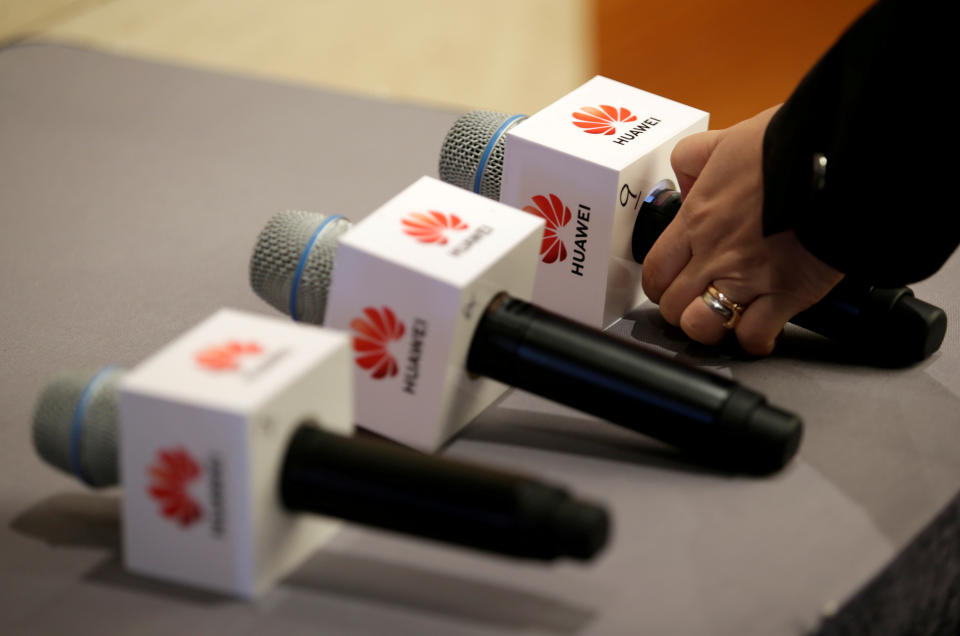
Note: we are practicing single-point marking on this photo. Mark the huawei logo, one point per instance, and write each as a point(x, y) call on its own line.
point(169, 477)
point(370, 338)
point(557, 215)
point(602, 120)
point(226, 357)
point(431, 227)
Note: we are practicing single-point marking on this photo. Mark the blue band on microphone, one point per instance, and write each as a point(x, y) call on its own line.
point(620, 386)
point(489, 149)
point(76, 424)
point(295, 287)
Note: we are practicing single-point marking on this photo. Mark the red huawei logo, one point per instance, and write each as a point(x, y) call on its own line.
point(371, 336)
point(225, 357)
point(557, 215)
point(602, 120)
point(169, 477)
point(430, 227)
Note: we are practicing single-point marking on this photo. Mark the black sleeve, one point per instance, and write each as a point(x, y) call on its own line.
point(879, 106)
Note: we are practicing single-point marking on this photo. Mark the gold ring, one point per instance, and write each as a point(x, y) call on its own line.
point(720, 303)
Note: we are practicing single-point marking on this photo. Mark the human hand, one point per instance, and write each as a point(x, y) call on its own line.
point(717, 238)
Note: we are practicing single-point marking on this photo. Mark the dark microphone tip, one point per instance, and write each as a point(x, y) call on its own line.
point(582, 529)
point(751, 436)
point(925, 322)
point(775, 437)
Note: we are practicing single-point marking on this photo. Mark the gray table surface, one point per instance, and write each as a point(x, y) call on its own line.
point(130, 197)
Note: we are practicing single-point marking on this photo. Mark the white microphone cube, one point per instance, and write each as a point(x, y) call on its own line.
point(412, 281)
point(586, 163)
point(205, 424)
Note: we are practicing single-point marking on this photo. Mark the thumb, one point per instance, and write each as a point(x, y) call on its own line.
point(690, 155)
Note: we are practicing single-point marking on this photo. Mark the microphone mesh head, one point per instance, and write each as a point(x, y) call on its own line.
point(463, 149)
point(53, 424)
point(276, 258)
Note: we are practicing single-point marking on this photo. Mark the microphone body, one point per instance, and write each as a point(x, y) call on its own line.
point(436, 332)
point(705, 414)
point(209, 490)
point(394, 488)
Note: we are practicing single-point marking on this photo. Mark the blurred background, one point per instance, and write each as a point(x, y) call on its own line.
point(729, 57)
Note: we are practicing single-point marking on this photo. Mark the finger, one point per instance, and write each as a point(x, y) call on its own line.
point(690, 155)
point(666, 259)
point(763, 321)
point(703, 324)
point(693, 314)
point(682, 291)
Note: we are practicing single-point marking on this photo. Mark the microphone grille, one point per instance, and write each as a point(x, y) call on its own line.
point(464, 147)
point(292, 263)
point(75, 425)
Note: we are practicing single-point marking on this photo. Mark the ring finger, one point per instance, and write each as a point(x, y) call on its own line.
point(708, 316)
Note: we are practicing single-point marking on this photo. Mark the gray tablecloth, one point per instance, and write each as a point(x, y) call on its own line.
point(130, 197)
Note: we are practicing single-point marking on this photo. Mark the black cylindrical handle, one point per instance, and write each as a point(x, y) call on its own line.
point(565, 361)
point(391, 487)
point(887, 326)
point(656, 213)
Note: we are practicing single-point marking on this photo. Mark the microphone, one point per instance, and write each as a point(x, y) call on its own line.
point(75, 429)
point(888, 326)
point(580, 164)
point(515, 342)
point(242, 421)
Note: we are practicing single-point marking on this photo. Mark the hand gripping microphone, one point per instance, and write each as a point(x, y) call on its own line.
point(507, 339)
point(192, 514)
point(888, 326)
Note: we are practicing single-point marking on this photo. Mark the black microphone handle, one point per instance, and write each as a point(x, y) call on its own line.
point(538, 351)
point(888, 326)
point(392, 487)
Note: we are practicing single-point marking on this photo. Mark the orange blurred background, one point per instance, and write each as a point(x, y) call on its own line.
point(731, 58)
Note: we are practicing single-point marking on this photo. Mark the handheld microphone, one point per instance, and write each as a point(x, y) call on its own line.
point(580, 164)
point(518, 343)
point(365, 481)
point(77, 427)
point(887, 326)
